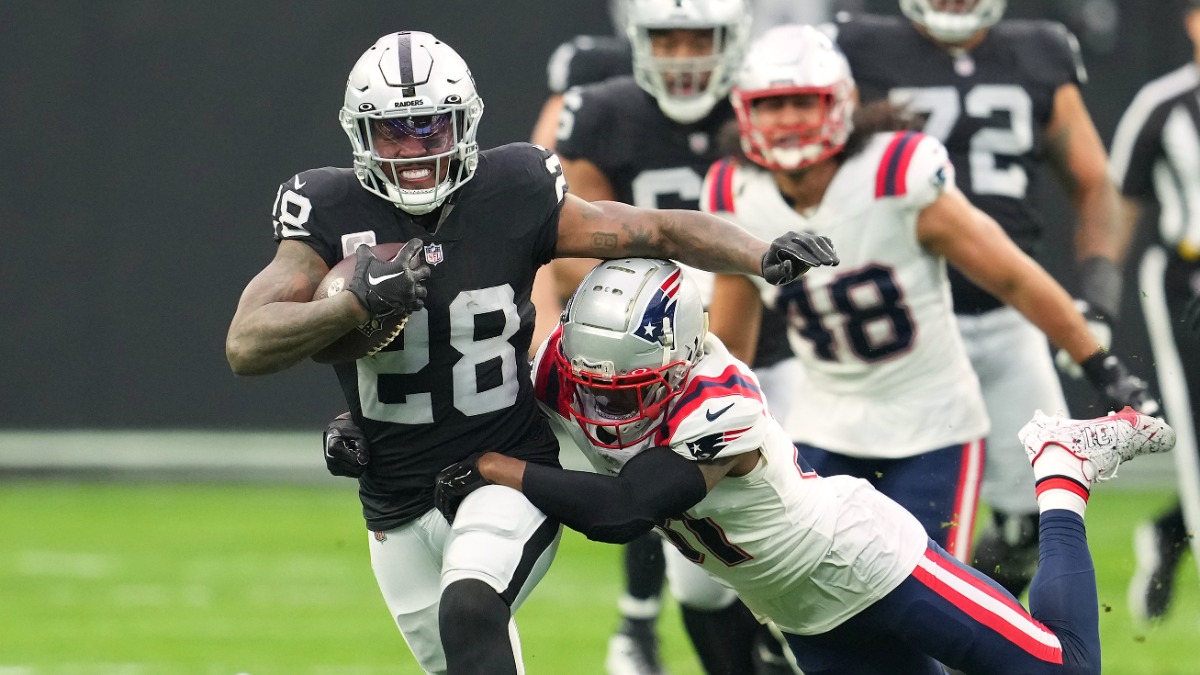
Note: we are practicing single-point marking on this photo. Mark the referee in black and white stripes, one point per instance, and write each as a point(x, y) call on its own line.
point(1155, 160)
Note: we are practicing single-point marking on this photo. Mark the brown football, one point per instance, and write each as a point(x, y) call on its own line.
point(370, 337)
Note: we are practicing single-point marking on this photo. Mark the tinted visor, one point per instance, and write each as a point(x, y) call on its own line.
point(435, 132)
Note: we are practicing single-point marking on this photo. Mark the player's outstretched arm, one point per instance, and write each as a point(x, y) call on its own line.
point(974, 243)
point(654, 485)
point(275, 325)
point(614, 230)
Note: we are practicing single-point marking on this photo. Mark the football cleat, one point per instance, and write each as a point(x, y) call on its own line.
point(1104, 442)
point(1153, 582)
point(633, 650)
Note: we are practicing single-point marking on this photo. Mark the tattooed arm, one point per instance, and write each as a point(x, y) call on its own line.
point(275, 325)
point(614, 230)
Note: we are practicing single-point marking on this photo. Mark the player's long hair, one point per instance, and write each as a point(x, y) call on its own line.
point(873, 118)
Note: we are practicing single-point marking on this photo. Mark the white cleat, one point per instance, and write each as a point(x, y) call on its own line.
point(1104, 441)
point(629, 655)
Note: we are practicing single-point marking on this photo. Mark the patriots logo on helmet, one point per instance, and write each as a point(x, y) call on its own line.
point(711, 445)
point(660, 311)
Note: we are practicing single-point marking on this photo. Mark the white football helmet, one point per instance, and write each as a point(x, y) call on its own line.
point(786, 61)
point(630, 336)
point(412, 87)
point(687, 88)
point(953, 21)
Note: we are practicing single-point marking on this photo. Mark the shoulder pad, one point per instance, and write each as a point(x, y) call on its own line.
point(717, 195)
point(913, 166)
point(308, 207)
point(524, 171)
point(587, 58)
point(700, 389)
point(722, 426)
point(1048, 50)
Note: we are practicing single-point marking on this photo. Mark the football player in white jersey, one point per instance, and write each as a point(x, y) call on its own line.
point(682, 440)
point(886, 368)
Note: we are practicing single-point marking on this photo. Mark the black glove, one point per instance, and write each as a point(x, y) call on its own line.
point(385, 287)
point(454, 483)
point(345, 447)
point(1191, 315)
point(1117, 385)
point(1100, 323)
point(793, 254)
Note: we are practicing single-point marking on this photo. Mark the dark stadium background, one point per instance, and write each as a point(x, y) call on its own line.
point(142, 143)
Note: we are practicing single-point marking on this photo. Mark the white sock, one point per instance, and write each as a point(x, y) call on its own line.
point(635, 608)
point(1064, 480)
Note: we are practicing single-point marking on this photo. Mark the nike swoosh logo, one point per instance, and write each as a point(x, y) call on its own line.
point(710, 415)
point(375, 281)
point(299, 184)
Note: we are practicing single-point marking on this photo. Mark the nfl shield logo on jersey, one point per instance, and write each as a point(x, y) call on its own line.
point(433, 254)
point(698, 142)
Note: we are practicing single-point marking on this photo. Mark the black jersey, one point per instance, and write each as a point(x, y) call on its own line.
point(990, 107)
point(585, 59)
point(651, 160)
point(455, 381)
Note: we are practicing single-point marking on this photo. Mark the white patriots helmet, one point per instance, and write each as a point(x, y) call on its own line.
point(414, 85)
point(953, 21)
point(794, 60)
point(687, 89)
point(630, 336)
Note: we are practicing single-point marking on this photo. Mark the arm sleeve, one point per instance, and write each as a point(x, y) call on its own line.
point(655, 485)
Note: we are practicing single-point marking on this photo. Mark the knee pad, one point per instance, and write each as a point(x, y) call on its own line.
point(502, 540)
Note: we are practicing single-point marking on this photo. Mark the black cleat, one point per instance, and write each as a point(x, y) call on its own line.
point(1153, 582)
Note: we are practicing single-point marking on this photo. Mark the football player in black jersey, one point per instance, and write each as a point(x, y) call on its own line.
point(1003, 96)
point(455, 381)
point(644, 133)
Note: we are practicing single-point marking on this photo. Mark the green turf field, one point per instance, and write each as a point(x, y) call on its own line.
point(148, 579)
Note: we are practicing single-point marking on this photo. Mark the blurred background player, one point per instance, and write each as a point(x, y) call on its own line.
point(885, 369)
point(1156, 162)
point(643, 131)
point(1003, 96)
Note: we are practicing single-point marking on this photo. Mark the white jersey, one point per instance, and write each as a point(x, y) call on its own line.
point(806, 551)
point(887, 374)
